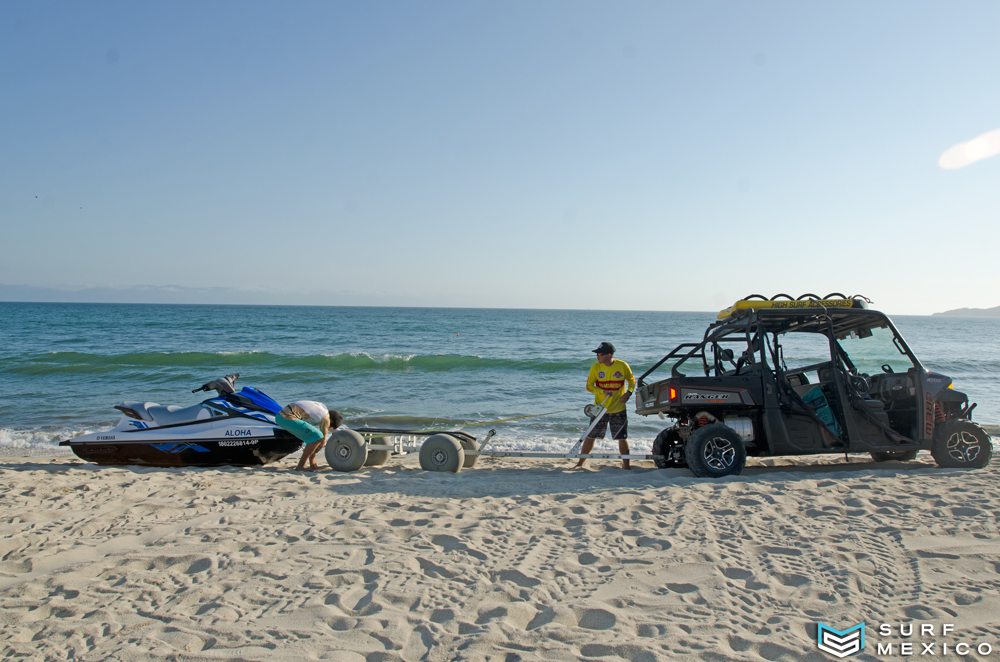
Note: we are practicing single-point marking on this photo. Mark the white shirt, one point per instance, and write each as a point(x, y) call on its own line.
point(316, 412)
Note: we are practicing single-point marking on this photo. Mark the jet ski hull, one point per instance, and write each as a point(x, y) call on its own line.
point(246, 451)
point(235, 428)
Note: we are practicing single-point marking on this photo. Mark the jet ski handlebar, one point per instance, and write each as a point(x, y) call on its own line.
point(223, 386)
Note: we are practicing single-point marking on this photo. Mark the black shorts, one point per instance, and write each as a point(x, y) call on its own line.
point(619, 426)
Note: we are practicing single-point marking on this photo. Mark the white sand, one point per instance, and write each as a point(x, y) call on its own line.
point(510, 560)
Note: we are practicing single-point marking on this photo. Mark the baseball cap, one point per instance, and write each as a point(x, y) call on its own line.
point(604, 348)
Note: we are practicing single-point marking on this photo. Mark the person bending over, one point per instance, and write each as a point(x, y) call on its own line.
point(606, 380)
point(311, 422)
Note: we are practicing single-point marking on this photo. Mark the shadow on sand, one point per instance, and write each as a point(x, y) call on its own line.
point(533, 478)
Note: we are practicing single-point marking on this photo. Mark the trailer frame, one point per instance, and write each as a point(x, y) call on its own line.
point(449, 451)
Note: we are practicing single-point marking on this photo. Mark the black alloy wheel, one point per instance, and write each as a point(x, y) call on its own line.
point(961, 445)
point(714, 451)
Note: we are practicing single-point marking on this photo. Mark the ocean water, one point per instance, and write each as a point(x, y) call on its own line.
point(522, 372)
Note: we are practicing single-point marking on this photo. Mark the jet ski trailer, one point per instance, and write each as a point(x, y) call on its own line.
point(233, 428)
point(450, 451)
point(440, 450)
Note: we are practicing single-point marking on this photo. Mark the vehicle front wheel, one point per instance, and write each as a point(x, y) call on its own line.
point(961, 445)
point(715, 450)
point(898, 456)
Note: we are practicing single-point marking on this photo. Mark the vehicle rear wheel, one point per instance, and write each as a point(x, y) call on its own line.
point(663, 445)
point(898, 456)
point(962, 445)
point(346, 451)
point(377, 458)
point(715, 450)
point(442, 452)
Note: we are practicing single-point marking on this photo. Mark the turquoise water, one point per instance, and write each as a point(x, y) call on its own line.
point(63, 366)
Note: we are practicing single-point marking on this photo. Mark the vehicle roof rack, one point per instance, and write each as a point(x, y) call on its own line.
point(787, 301)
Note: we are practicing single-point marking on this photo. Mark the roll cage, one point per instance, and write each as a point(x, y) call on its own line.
point(757, 333)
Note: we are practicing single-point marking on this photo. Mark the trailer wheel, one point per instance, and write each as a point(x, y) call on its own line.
point(899, 456)
point(346, 451)
point(376, 458)
point(715, 450)
point(442, 452)
point(470, 458)
point(961, 445)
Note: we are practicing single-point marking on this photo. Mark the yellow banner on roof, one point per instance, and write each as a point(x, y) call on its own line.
point(761, 304)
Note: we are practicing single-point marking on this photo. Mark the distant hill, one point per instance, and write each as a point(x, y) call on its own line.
point(972, 312)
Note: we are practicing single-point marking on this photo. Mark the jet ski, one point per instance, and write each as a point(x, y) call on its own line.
point(234, 427)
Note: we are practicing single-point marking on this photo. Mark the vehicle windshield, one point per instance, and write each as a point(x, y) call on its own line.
point(869, 353)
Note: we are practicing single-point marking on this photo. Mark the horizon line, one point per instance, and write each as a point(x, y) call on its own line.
point(413, 307)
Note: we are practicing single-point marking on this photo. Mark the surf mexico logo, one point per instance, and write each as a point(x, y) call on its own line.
point(840, 643)
point(906, 639)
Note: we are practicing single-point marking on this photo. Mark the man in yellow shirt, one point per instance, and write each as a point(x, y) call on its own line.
point(607, 380)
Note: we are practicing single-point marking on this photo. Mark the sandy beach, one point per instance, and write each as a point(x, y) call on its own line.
point(512, 560)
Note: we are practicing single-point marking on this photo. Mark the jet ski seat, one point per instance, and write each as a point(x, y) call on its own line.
point(153, 412)
point(172, 414)
point(137, 410)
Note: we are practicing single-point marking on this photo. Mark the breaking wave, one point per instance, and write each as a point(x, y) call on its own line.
point(89, 363)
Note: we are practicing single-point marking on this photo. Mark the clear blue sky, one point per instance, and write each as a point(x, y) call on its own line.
point(634, 155)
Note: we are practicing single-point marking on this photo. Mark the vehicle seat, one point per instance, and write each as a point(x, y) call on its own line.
point(816, 399)
point(875, 408)
point(802, 389)
point(172, 414)
point(797, 378)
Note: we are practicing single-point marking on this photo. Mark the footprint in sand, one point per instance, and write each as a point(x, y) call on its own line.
point(965, 511)
point(650, 631)
point(453, 544)
point(628, 652)
point(442, 616)
point(492, 614)
point(653, 543)
point(596, 619)
point(200, 565)
point(518, 578)
point(742, 574)
point(966, 599)
point(793, 580)
point(544, 616)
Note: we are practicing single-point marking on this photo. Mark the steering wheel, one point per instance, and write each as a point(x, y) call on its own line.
point(860, 383)
point(745, 360)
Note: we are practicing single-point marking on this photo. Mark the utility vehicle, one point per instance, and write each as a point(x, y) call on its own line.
point(800, 376)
